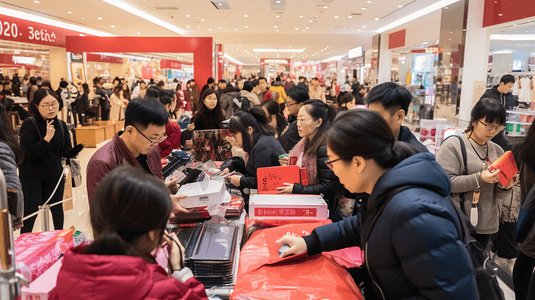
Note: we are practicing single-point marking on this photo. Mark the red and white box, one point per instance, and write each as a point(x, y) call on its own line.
point(40, 289)
point(39, 251)
point(204, 193)
point(311, 207)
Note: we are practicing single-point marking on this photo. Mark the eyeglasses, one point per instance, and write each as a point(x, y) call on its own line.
point(53, 105)
point(152, 142)
point(492, 127)
point(289, 104)
point(329, 163)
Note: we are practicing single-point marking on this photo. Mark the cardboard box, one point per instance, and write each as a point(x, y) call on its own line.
point(288, 207)
point(40, 289)
point(204, 193)
point(90, 136)
point(40, 250)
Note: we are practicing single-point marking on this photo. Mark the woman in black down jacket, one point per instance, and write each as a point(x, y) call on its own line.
point(313, 122)
point(44, 143)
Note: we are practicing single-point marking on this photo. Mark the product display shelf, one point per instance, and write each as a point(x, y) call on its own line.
point(521, 112)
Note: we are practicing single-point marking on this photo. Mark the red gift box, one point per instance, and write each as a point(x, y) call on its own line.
point(39, 251)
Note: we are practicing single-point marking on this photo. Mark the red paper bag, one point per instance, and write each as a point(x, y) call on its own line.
point(269, 179)
point(262, 274)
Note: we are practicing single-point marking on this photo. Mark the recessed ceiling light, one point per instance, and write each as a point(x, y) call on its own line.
point(310, 21)
point(188, 16)
point(307, 27)
point(278, 2)
point(400, 6)
point(69, 12)
point(36, 1)
point(275, 26)
point(188, 26)
point(219, 28)
point(210, 29)
point(112, 26)
point(83, 18)
point(500, 15)
point(220, 4)
point(303, 30)
point(277, 30)
point(296, 28)
point(236, 29)
point(364, 8)
point(139, 33)
point(350, 17)
point(376, 19)
point(246, 26)
point(369, 2)
point(325, 7)
point(336, 17)
point(245, 16)
point(363, 26)
point(202, 20)
point(278, 16)
point(199, 27)
point(300, 16)
point(100, 18)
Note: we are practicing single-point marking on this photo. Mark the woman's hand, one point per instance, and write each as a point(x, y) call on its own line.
point(190, 127)
point(176, 250)
point(288, 188)
point(512, 182)
point(490, 177)
point(225, 172)
point(50, 130)
point(297, 245)
point(177, 207)
point(235, 180)
point(284, 161)
point(172, 185)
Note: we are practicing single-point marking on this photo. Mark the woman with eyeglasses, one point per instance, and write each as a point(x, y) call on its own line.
point(487, 120)
point(290, 137)
point(415, 250)
point(45, 140)
point(313, 121)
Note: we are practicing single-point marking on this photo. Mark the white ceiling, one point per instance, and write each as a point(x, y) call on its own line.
point(313, 25)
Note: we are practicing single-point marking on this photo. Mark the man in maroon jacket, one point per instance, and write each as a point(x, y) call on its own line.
point(137, 146)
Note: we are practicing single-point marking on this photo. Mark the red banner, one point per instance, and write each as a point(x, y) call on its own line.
point(503, 11)
point(104, 58)
point(24, 31)
point(17, 61)
point(170, 64)
point(396, 39)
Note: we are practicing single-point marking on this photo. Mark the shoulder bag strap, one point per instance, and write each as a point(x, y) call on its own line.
point(465, 163)
point(36, 127)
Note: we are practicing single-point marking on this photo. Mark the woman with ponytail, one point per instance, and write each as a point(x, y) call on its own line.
point(313, 121)
point(415, 249)
point(253, 133)
point(129, 213)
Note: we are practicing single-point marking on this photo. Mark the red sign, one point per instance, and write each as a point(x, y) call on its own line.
point(502, 11)
point(104, 58)
point(170, 64)
point(285, 212)
point(16, 61)
point(396, 39)
point(24, 31)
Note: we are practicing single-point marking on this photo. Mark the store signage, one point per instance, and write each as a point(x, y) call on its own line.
point(502, 11)
point(274, 61)
point(170, 64)
point(397, 39)
point(77, 57)
point(355, 52)
point(104, 58)
point(23, 60)
point(24, 31)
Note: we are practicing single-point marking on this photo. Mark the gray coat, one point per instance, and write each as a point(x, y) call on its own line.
point(9, 167)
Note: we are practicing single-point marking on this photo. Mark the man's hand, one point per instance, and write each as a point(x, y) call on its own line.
point(172, 186)
point(177, 207)
point(235, 180)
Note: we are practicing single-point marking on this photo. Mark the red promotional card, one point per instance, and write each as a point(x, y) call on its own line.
point(269, 179)
point(507, 166)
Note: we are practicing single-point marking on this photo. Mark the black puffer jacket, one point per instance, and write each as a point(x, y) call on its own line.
point(291, 137)
point(327, 184)
point(265, 153)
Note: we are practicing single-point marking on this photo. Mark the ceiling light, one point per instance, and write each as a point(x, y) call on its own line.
point(307, 27)
point(43, 20)
point(69, 12)
point(277, 30)
point(100, 18)
point(188, 26)
point(512, 37)
point(202, 20)
point(417, 14)
point(112, 26)
point(236, 29)
point(500, 15)
point(364, 8)
point(400, 6)
point(325, 7)
point(369, 2)
point(199, 27)
point(232, 59)
point(310, 21)
point(278, 50)
point(219, 28)
point(296, 28)
point(245, 16)
point(376, 19)
point(137, 12)
point(278, 2)
point(139, 33)
point(210, 29)
point(303, 30)
point(363, 26)
point(300, 16)
point(275, 26)
point(278, 16)
point(336, 17)
point(350, 17)
point(188, 16)
point(36, 1)
point(246, 26)
point(220, 4)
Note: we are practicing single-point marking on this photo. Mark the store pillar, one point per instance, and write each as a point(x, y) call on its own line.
point(476, 58)
point(58, 66)
point(385, 61)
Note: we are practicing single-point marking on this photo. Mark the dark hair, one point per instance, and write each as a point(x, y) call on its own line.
point(118, 89)
point(391, 96)
point(85, 87)
point(160, 84)
point(210, 80)
point(487, 108)
point(8, 136)
point(142, 82)
point(298, 94)
point(248, 86)
point(116, 79)
point(178, 87)
point(346, 98)
point(507, 79)
point(63, 84)
point(525, 151)
point(255, 83)
point(256, 118)
point(126, 93)
point(262, 78)
point(361, 87)
point(46, 83)
point(117, 221)
point(229, 88)
point(96, 81)
point(154, 92)
point(143, 112)
point(315, 78)
point(302, 77)
point(166, 100)
point(33, 81)
point(221, 81)
point(365, 133)
point(39, 95)
point(273, 108)
point(203, 112)
point(317, 109)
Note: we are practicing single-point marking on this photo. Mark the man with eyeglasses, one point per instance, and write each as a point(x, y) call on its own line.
point(136, 146)
point(290, 136)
